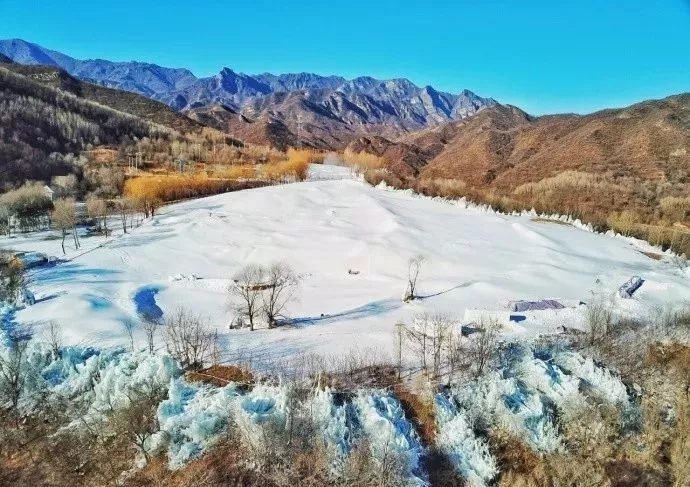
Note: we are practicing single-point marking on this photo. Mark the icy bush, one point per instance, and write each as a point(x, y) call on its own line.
point(128, 373)
point(456, 439)
point(336, 421)
point(531, 385)
point(547, 379)
point(504, 402)
point(192, 418)
point(597, 379)
point(261, 417)
point(390, 434)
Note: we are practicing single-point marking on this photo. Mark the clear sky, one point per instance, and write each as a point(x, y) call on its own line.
point(545, 56)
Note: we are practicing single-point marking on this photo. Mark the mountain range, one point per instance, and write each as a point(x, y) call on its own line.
point(323, 111)
point(596, 166)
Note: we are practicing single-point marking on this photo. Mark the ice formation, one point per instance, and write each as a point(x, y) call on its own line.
point(465, 450)
point(389, 433)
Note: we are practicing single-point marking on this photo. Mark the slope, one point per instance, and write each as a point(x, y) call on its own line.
point(123, 101)
point(187, 255)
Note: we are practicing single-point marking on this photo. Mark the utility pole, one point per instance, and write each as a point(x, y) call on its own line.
point(400, 326)
point(299, 130)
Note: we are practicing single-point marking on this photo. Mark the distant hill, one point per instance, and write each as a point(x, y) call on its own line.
point(504, 148)
point(44, 127)
point(123, 101)
point(634, 159)
point(332, 109)
point(5, 60)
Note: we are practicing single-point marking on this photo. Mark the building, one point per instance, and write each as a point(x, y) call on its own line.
point(49, 192)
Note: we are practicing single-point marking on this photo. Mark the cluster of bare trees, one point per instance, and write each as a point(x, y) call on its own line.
point(442, 350)
point(263, 291)
point(188, 338)
point(131, 213)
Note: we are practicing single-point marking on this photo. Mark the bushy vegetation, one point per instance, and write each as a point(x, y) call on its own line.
point(26, 208)
point(646, 210)
point(40, 125)
point(362, 161)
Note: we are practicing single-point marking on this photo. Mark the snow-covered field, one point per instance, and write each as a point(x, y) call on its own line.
point(476, 262)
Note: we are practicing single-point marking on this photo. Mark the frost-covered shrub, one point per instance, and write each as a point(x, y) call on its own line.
point(191, 419)
point(532, 387)
point(261, 418)
point(597, 380)
point(394, 444)
point(456, 439)
point(506, 403)
point(336, 422)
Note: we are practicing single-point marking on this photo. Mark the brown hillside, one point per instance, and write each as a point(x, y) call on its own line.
point(627, 169)
point(123, 101)
point(262, 131)
point(498, 147)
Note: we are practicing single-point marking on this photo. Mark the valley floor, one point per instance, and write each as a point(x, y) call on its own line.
point(476, 263)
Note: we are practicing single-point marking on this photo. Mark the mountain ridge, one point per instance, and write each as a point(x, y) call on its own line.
point(362, 105)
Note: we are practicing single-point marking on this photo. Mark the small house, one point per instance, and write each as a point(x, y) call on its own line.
point(49, 192)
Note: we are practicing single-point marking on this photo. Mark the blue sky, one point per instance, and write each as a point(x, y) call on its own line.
point(544, 56)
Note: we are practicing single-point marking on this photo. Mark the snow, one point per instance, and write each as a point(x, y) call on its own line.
point(457, 440)
point(524, 395)
point(390, 434)
point(477, 262)
point(191, 419)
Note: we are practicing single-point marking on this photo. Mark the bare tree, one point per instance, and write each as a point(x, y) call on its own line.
point(417, 335)
point(441, 335)
point(123, 208)
point(188, 338)
point(483, 344)
point(599, 319)
point(54, 338)
point(150, 327)
point(138, 421)
point(129, 329)
point(414, 267)
point(13, 364)
point(246, 287)
point(281, 288)
point(98, 210)
point(64, 218)
point(429, 336)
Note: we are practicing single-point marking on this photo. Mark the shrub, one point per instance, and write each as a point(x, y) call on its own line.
point(286, 171)
point(308, 156)
point(377, 176)
point(29, 205)
point(675, 208)
point(363, 161)
point(446, 188)
point(624, 222)
point(239, 171)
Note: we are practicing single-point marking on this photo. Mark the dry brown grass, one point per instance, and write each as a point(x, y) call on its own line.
point(221, 375)
point(676, 209)
point(363, 161)
point(286, 171)
point(172, 187)
point(445, 188)
point(308, 156)
point(562, 182)
point(420, 411)
point(237, 172)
